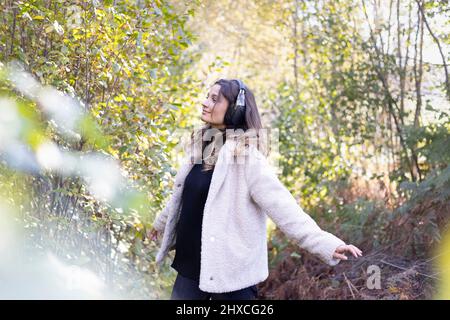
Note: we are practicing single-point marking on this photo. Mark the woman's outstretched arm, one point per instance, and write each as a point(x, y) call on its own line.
point(279, 204)
point(161, 219)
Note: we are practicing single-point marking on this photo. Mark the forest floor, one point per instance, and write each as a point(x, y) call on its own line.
point(302, 276)
point(405, 261)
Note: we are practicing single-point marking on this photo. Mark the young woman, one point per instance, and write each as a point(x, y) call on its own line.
point(215, 219)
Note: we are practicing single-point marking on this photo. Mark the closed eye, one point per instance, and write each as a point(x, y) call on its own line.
point(214, 100)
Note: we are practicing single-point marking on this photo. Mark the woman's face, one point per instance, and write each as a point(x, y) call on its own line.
point(214, 108)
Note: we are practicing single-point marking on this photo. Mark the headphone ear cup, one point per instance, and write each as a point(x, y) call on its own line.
point(235, 114)
point(239, 116)
point(228, 119)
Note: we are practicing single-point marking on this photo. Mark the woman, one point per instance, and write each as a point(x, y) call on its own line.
point(216, 216)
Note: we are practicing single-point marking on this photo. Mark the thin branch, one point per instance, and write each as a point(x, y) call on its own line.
point(407, 269)
point(447, 81)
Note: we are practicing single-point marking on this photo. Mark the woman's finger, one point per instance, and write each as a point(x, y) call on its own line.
point(354, 252)
point(350, 250)
point(340, 256)
point(355, 249)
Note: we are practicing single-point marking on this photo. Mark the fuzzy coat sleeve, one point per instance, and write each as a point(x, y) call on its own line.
point(278, 203)
point(160, 221)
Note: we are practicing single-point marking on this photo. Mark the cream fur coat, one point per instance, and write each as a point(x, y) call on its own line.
point(244, 191)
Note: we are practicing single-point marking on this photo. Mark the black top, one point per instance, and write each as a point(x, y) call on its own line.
point(189, 226)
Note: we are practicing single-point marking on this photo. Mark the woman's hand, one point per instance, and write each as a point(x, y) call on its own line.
point(339, 252)
point(153, 235)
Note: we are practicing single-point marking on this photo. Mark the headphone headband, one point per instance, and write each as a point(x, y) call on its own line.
point(240, 101)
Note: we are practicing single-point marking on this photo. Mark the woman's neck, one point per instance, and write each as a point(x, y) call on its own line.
point(218, 126)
